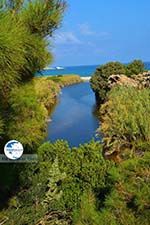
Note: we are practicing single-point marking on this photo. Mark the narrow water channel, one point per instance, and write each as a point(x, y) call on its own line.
point(74, 118)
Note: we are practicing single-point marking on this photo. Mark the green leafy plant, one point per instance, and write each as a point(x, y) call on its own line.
point(99, 81)
point(134, 68)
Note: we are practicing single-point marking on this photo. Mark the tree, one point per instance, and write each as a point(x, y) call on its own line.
point(99, 81)
point(134, 68)
point(24, 31)
point(24, 45)
point(26, 116)
point(49, 16)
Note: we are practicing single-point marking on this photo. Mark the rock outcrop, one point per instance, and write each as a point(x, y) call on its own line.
point(139, 81)
point(143, 79)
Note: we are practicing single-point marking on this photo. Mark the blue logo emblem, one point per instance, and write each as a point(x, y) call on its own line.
point(13, 150)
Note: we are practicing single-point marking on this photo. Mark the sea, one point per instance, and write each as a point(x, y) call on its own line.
point(83, 71)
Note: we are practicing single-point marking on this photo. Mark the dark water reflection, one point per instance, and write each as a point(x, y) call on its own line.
point(74, 117)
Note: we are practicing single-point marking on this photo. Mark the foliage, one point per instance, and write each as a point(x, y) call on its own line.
point(125, 120)
point(46, 91)
point(1, 126)
point(86, 172)
point(54, 176)
point(77, 186)
point(24, 51)
point(12, 5)
point(99, 81)
point(29, 106)
point(134, 68)
point(12, 54)
point(65, 181)
point(129, 200)
point(88, 213)
point(57, 182)
point(48, 19)
point(37, 56)
point(65, 80)
point(27, 117)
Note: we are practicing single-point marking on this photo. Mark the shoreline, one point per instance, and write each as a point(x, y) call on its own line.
point(86, 78)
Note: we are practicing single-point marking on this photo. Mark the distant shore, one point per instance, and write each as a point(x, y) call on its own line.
point(86, 78)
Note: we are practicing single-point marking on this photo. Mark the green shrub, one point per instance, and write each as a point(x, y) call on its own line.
point(27, 119)
point(134, 68)
point(129, 200)
point(46, 91)
point(125, 120)
point(99, 81)
point(58, 181)
point(77, 186)
point(88, 214)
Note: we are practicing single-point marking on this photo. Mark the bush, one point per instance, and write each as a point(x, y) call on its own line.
point(78, 186)
point(134, 68)
point(88, 213)
point(99, 81)
point(128, 202)
point(46, 91)
point(27, 118)
point(125, 120)
point(57, 182)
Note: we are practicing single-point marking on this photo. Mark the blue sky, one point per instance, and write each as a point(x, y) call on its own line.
point(98, 31)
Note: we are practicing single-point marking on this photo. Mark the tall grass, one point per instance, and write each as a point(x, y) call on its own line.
point(125, 118)
point(65, 80)
point(46, 91)
point(12, 53)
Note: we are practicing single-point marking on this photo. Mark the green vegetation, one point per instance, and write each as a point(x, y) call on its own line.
point(125, 126)
point(24, 51)
point(65, 80)
point(24, 29)
point(46, 91)
point(125, 121)
point(28, 116)
point(99, 81)
point(67, 186)
point(78, 186)
point(1, 126)
point(25, 100)
point(129, 200)
point(135, 68)
point(23, 41)
point(56, 183)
